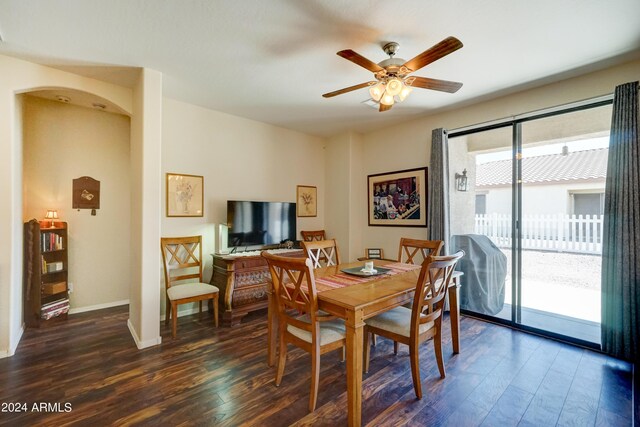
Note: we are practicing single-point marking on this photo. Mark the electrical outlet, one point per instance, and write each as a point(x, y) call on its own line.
point(70, 287)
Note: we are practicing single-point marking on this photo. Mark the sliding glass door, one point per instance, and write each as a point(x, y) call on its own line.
point(563, 170)
point(481, 219)
point(535, 192)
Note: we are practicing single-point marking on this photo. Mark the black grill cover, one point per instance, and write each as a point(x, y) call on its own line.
point(485, 269)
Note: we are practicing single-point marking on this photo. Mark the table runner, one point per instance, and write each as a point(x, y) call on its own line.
point(342, 280)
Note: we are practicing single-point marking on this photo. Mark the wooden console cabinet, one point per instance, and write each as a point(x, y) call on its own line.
point(242, 281)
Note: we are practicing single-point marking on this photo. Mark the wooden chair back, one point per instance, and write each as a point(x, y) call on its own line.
point(434, 280)
point(414, 251)
point(182, 259)
point(311, 235)
point(294, 288)
point(322, 253)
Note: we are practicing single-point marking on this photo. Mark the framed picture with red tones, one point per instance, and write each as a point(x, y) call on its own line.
point(398, 198)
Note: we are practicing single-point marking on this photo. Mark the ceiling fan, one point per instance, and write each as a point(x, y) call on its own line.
point(393, 82)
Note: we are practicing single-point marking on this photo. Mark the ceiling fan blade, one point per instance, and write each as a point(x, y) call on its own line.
point(384, 107)
point(437, 51)
point(360, 60)
point(434, 84)
point(348, 89)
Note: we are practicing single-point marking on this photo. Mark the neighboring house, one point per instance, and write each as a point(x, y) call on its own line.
point(570, 183)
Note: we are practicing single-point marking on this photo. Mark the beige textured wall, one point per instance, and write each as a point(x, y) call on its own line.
point(240, 159)
point(463, 203)
point(346, 212)
point(146, 145)
point(63, 142)
point(408, 145)
point(20, 76)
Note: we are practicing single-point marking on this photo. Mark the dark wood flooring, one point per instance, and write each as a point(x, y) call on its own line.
point(219, 376)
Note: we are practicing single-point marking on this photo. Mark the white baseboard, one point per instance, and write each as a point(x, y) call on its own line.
point(13, 346)
point(98, 306)
point(142, 344)
point(192, 310)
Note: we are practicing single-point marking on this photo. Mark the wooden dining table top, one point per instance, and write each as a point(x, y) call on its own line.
point(371, 291)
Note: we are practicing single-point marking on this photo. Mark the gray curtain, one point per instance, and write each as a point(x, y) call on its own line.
point(621, 241)
point(438, 187)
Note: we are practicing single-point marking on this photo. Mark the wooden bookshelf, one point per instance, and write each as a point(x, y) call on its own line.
point(46, 296)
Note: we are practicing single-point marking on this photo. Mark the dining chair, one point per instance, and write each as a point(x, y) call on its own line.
point(415, 251)
point(322, 253)
point(182, 259)
point(412, 326)
point(315, 332)
point(312, 235)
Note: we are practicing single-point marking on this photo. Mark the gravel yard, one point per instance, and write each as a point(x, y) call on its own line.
point(559, 269)
point(557, 282)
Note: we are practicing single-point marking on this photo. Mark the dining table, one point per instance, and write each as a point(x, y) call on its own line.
point(356, 298)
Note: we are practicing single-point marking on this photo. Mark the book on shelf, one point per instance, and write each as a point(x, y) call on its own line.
point(55, 304)
point(53, 267)
point(55, 308)
point(49, 314)
point(50, 241)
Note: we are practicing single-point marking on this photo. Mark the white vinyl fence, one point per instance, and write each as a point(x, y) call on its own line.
point(559, 233)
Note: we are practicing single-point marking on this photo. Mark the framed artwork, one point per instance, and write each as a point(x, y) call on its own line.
point(398, 198)
point(86, 193)
point(307, 200)
point(185, 194)
point(374, 253)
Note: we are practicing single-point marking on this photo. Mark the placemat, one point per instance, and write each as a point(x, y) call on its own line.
point(341, 280)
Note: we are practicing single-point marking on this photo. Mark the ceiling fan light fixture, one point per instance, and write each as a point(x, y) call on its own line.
point(406, 90)
point(387, 99)
point(394, 86)
point(376, 91)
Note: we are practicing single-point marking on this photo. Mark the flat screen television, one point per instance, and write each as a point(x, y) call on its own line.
point(260, 223)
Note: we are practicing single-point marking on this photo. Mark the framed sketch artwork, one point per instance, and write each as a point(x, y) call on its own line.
point(185, 195)
point(398, 198)
point(307, 200)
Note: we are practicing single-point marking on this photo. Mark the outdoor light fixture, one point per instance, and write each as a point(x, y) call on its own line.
point(462, 182)
point(51, 214)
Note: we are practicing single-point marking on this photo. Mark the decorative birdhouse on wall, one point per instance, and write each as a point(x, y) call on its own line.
point(86, 194)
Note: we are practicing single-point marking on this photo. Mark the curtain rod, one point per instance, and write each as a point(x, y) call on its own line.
point(508, 119)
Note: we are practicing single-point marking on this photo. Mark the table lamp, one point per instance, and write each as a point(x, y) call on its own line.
point(52, 215)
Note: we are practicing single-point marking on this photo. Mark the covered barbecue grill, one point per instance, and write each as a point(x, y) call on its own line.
point(485, 269)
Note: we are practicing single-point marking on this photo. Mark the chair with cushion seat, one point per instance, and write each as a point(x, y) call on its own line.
point(182, 259)
point(311, 235)
point(412, 326)
point(322, 253)
point(414, 251)
point(294, 289)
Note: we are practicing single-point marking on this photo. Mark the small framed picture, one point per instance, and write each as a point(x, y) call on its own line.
point(307, 200)
point(398, 198)
point(185, 194)
point(374, 253)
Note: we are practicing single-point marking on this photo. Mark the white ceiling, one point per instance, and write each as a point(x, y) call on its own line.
point(272, 60)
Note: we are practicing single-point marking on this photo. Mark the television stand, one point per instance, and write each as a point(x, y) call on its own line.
point(243, 279)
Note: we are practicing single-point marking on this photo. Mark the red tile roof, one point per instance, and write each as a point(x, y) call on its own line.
point(577, 165)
